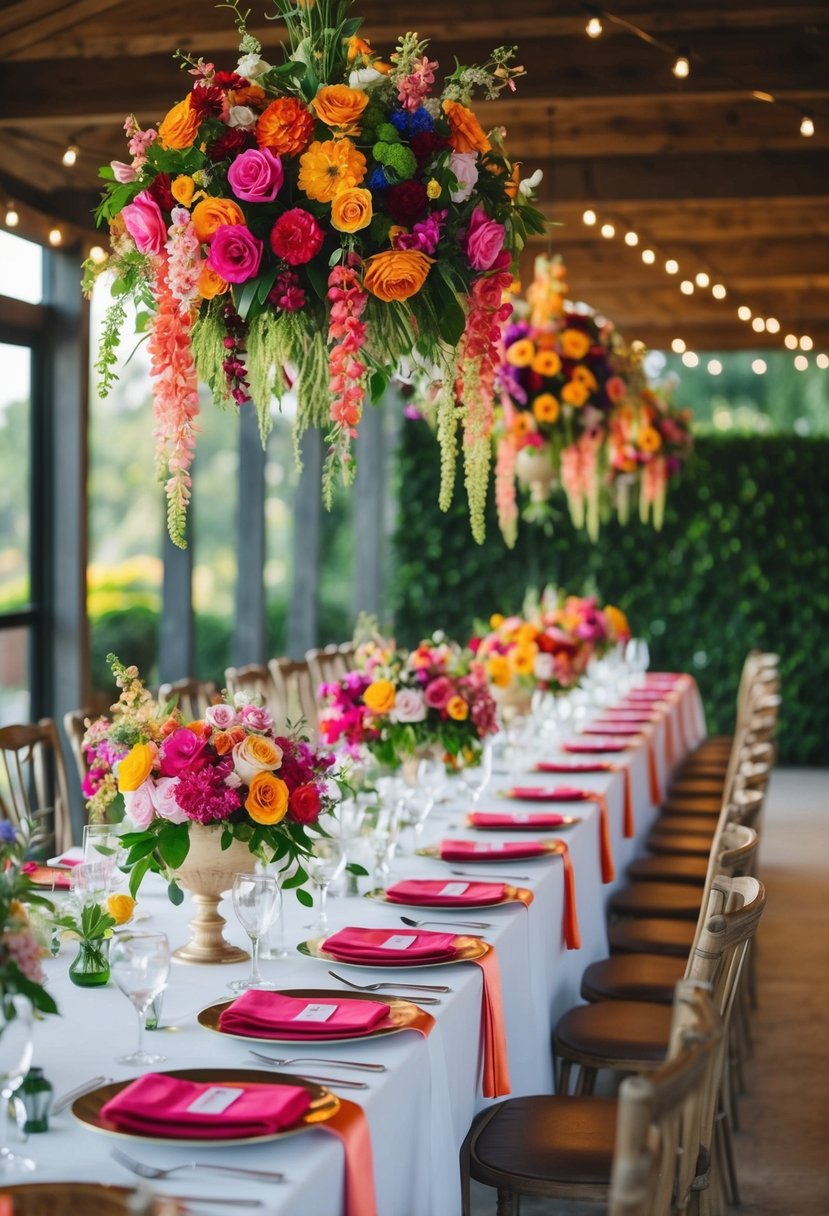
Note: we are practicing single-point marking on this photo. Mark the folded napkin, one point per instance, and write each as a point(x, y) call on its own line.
point(612, 728)
point(575, 766)
point(72, 857)
point(380, 946)
point(505, 820)
point(470, 850)
point(46, 876)
point(158, 1104)
point(270, 1014)
point(589, 747)
point(538, 793)
point(627, 717)
point(438, 893)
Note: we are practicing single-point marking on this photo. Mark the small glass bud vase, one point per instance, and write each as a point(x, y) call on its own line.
point(35, 1094)
point(90, 967)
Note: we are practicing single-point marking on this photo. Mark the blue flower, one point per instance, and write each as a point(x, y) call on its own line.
point(378, 180)
point(421, 120)
point(8, 835)
point(400, 120)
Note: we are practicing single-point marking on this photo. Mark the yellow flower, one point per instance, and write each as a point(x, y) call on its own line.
point(351, 210)
point(330, 166)
point(396, 274)
point(546, 363)
point(546, 407)
point(120, 907)
point(340, 106)
point(457, 709)
point(521, 353)
point(379, 696)
point(498, 670)
point(617, 620)
point(523, 424)
point(574, 344)
point(649, 439)
point(433, 188)
point(523, 659)
point(575, 393)
point(267, 800)
point(526, 634)
point(496, 620)
point(584, 376)
point(179, 126)
point(182, 189)
point(135, 768)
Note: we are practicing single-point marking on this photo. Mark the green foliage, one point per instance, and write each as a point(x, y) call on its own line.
point(742, 561)
point(128, 631)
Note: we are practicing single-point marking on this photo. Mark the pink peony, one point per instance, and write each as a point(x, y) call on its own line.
point(465, 169)
point(235, 253)
point(145, 223)
point(221, 717)
point(163, 795)
point(296, 237)
point(139, 806)
point(409, 706)
point(256, 176)
point(256, 717)
point(483, 241)
point(439, 693)
point(179, 751)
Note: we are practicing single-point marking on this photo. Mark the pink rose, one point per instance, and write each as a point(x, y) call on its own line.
point(164, 800)
point(256, 176)
point(439, 693)
point(296, 237)
point(139, 806)
point(179, 751)
point(409, 706)
point(463, 165)
point(235, 253)
point(484, 240)
point(256, 717)
point(145, 224)
point(220, 717)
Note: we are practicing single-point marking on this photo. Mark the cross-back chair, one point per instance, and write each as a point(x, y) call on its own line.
point(193, 697)
point(256, 680)
point(295, 693)
point(33, 780)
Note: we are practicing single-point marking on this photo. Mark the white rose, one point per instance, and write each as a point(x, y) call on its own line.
point(364, 78)
point(138, 805)
point(462, 164)
point(164, 800)
point(241, 116)
point(409, 706)
point(543, 667)
point(251, 66)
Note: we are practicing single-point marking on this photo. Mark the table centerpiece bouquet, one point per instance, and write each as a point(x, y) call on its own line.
point(313, 224)
point(650, 441)
point(21, 974)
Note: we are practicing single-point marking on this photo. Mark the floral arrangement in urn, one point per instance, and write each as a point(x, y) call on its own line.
point(20, 950)
point(312, 224)
point(230, 771)
point(435, 696)
point(650, 441)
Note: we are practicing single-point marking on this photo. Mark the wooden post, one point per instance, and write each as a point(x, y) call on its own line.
point(176, 642)
point(302, 609)
point(250, 626)
point(372, 509)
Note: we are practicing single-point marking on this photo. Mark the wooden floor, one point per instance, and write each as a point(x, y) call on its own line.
point(783, 1142)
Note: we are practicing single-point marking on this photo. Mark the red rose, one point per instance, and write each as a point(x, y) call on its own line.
point(232, 140)
point(406, 202)
point(304, 804)
point(161, 192)
point(427, 144)
point(296, 237)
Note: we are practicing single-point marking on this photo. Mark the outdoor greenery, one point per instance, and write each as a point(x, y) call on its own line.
point(742, 562)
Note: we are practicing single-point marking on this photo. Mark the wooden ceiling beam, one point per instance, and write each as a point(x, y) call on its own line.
point(36, 24)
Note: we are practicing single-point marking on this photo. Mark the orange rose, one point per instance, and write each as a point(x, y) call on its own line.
point(247, 95)
point(285, 127)
point(211, 284)
point(212, 213)
point(267, 800)
point(179, 127)
point(340, 106)
point(136, 767)
point(396, 275)
point(351, 210)
point(225, 740)
point(183, 189)
point(466, 133)
point(379, 696)
point(457, 709)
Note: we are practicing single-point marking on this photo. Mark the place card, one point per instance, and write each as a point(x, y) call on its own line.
point(454, 888)
point(400, 941)
point(315, 1013)
point(215, 1100)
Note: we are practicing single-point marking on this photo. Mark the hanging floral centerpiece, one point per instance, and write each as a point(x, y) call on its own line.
point(650, 440)
point(309, 225)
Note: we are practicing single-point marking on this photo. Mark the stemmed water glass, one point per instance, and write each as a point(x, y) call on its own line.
point(255, 902)
point(325, 863)
point(475, 775)
point(349, 817)
point(381, 825)
point(637, 657)
point(16, 1018)
point(140, 965)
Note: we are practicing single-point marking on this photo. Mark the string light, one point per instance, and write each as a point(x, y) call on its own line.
point(682, 64)
point(744, 312)
point(759, 367)
point(686, 287)
point(648, 257)
point(718, 291)
point(594, 27)
point(589, 217)
point(807, 123)
point(806, 342)
point(822, 361)
point(790, 341)
point(690, 358)
point(672, 266)
point(632, 239)
point(678, 346)
point(758, 325)
point(12, 216)
point(70, 156)
point(772, 325)
point(801, 363)
point(55, 237)
point(98, 255)
point(607, 231)
point(714, 367)
point(759, 95)
point(702, 279)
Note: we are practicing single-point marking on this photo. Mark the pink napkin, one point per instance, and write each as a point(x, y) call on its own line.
point(469, 850)
point(354, 945)
point(158, 1104)
point(429, 893)
point(504, 820)
point(46, 876)
point(537, 793)
point(574, 766)
point(588, 748)
point(630, 717)
point(270, 1015)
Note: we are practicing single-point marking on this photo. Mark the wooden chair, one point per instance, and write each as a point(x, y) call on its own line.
point(295, 693)
point(327, 666)
point(591, 1149)
point(192, 696)
point(75, 724)
point(33, 780)
point(348, 650)
point(254, 679)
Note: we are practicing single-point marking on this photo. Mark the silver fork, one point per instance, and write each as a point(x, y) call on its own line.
point(318, 1060)
point(389, 984)
point(465, 924)
point(153, 1171)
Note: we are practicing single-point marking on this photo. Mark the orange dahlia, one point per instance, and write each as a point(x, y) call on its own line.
point(285, 127)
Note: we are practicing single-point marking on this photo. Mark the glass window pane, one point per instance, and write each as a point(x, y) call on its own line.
point(15, 700)
point(15, 476)
point(21, 268)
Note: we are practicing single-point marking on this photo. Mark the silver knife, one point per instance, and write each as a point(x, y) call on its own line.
point(68, 1098)
point(199, 1200)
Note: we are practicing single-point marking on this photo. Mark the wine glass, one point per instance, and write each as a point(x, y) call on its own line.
point(102, 847)
point(140, 965)
point(475, 773)
point(90, 881)
point(16, 1019)
point(272, 945)
point(637, 657)
point(255, 901)
point(348, 826)
point(325, 863)
point(381, 824)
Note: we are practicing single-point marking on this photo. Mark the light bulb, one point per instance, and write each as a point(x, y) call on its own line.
point(822, 361)
point(589, 217)
point(718, 291)
point(97, 254)
point(12, 216)
point(55, 236)
point(702, 279)
point(801, 363)
point(682, 64)
point(714, 367)
point(790, 341)
point(70, 156)
point(678, 346)
point(672, 266)
point(631, 238)
point(690, 358)
point(608, 231)
point(807, 124)
point(744, 312)
point(686, 287)
point(806, 342)
point(593, 29)
point(772, 325)
point(760, 95)
point(758, 325)
point(648, 257)
point(759, 367)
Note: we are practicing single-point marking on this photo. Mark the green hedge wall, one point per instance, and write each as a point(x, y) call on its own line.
point(742, 562)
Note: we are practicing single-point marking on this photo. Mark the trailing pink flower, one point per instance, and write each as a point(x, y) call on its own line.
point(185, 259)
point(505, 499)
point(346, 371)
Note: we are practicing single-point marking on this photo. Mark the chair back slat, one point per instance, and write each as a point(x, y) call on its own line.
point(33, 779)
point(294, 686)
point(193, 697)
point(254, 679)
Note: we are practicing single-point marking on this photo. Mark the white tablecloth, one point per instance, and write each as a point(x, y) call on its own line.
point(420, 1109)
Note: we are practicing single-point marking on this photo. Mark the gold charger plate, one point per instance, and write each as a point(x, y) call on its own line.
point(402, 1015)
point(551, 849)
point(468, 948)
point(68, 1199)
point(567, 821)
point(324, 1105)
point(510, 896)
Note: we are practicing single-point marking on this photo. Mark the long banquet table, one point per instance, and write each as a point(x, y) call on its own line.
point(419, 1110)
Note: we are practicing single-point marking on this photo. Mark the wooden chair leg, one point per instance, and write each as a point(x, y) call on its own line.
point(726, 1155)
point(565, 1069)
point(506, 1203)
point(586, 1082)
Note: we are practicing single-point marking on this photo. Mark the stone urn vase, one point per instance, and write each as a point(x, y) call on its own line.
point(513, 702)
point(207, 872)
point(534, 470)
